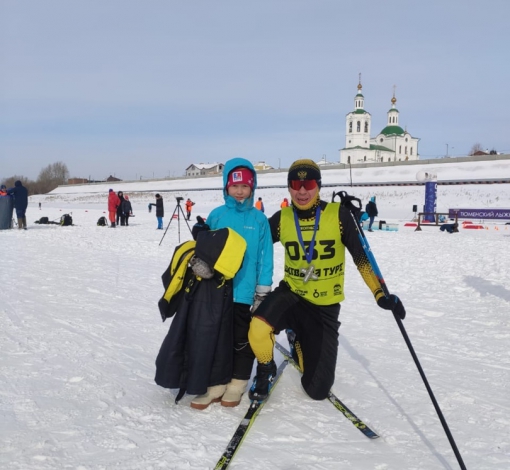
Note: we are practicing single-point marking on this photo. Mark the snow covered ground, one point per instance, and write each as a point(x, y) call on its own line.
point(81, 330)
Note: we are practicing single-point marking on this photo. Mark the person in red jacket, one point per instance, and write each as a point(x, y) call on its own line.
point(113, 203)
point(189, 206)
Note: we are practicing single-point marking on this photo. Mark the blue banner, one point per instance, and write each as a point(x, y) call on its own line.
point(430, 200)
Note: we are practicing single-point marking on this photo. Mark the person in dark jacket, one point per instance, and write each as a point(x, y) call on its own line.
point(20, 194)
point(371, 210)
point(127, 210)
point(450, 228)
point(120, 214)
point(160, 211)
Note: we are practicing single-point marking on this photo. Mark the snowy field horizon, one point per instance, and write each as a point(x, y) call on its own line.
point(81, 331)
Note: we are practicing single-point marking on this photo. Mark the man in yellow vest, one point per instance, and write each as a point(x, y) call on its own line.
point(306, 303)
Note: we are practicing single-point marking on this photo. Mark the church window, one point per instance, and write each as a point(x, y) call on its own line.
point(406, 150)
point(406, 139)
point(350, 126)
point(349, 159)
point(366, 126)
point(411, 150)
point(381, 140)
point(399, 149)
point(358, 126)
point(365, 158)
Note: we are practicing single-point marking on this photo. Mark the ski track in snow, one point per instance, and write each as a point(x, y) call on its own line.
point(81, 331)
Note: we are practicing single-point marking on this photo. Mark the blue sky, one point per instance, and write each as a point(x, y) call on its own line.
point(145, 88)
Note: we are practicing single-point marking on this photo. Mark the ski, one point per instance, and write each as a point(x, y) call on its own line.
point(337, 403)
point(245, 424)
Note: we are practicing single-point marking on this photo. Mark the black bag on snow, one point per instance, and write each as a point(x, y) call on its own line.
point(43, 220)
point(102, 221)
point(65, 220)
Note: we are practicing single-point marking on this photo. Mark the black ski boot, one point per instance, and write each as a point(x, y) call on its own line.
point(291, 337)
point(263, 381)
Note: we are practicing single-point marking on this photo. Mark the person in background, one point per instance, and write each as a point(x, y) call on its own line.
point(259, 205)
point(20, 194)
point(160, 210)
point(371, 210)
point(3, 190)
point(450, 228)
point(40, 206)
point(189, 205)
point(120, 215)
point(113, 204)
point(315, 234)
point(127, 209)
point(285, 203)
point(251, 283)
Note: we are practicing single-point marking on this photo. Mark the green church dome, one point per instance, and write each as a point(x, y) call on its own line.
point(393, 130)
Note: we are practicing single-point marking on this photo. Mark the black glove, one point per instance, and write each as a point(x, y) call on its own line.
point(200, 226)
point(394, 304)
point(200, 268)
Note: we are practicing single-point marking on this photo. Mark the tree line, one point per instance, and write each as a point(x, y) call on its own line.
point(49, 178)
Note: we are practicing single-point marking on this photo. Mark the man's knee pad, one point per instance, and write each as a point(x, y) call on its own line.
point(261, 338)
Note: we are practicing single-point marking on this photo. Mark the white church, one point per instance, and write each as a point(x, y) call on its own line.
point(391, 144)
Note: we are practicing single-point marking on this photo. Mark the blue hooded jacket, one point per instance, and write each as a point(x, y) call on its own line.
point(20, 194)
point(253, 226)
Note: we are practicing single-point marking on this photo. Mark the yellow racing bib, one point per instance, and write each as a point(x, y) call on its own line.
point(327, 258)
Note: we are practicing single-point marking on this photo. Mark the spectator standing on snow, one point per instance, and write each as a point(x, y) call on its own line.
point(113, 204)
point(371, 210)
point(120, 215)
point(315, 234)
point(127, 209)
point(20, 194)
point(160, 211)
point(259, 205)
point(189, 204)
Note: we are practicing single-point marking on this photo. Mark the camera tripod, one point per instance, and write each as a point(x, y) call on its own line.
point(177, 211)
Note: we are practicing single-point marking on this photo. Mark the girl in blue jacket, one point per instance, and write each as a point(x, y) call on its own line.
point(251, 283)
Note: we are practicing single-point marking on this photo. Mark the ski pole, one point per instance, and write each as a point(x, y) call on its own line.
point(348, 201)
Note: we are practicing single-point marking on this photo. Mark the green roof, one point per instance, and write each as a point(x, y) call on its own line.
point(357, 147)
point(360, 111)
point(372, 147)
point(393, 130)
point(359, 94)
point(380, 147)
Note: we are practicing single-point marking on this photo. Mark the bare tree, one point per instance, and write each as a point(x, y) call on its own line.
point(475, 148)
point(9, 182)
point(52, 176)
